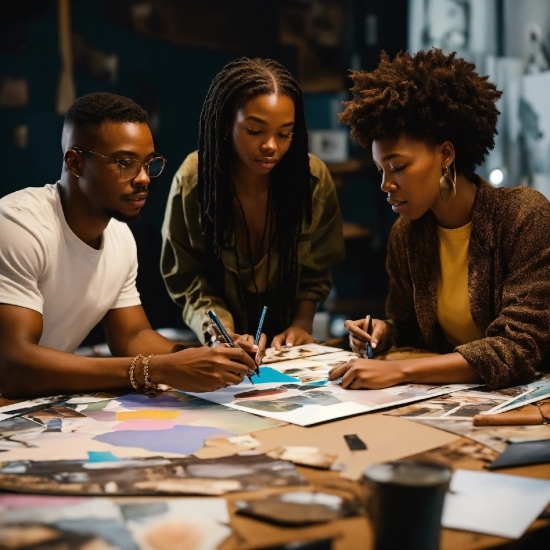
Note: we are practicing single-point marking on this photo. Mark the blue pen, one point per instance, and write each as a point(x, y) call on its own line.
point(368, 330)
point(211, 313)
point(259, 333)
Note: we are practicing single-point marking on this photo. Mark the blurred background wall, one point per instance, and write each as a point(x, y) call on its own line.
point(164, 53)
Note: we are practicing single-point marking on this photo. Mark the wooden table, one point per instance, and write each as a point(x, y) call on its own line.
point(355, 533)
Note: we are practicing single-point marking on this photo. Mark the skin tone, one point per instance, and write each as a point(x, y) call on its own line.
point(92, 190)
point(410, 173)
point(261, 135)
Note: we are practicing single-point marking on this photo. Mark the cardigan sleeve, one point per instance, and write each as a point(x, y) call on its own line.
point(518, 338)
point(183, 259)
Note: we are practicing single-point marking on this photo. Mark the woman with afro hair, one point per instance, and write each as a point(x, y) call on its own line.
point(469, 264)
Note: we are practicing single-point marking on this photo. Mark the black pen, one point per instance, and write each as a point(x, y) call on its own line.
point(368, 330)
point(259, 333)
point(212, 314)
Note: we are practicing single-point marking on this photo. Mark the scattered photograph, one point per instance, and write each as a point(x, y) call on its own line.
point(176, 523)
point(60, 523)
point(32, 522)
point(296, 352)
point(146, 476)
point(494, 437)
point(462, 404)
point(535, 391)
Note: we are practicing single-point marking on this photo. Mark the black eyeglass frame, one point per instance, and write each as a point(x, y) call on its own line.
point(121, 166)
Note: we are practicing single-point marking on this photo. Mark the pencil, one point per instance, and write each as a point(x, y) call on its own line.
point(212, 314)
point(259, 333)
point(368, 330)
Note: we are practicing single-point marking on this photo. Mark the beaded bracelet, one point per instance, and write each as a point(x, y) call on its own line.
point(148, 387)
point(132, 367)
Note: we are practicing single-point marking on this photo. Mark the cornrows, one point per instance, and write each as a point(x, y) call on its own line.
point(290, 181)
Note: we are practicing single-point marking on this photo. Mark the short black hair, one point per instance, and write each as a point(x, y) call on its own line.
point(430, 97)
point(91, 110)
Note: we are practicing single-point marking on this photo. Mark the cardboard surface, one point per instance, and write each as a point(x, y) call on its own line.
point(386, 437)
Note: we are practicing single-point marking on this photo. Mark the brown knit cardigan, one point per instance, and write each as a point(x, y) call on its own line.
point(508, 284)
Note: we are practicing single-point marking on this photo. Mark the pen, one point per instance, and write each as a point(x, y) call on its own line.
point(259, 333)
point(260, 325)
point(212, 314)
point(368, 330)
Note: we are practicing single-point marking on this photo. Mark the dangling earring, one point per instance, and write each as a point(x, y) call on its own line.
point(447, 185)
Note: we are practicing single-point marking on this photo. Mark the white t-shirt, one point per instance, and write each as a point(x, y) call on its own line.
point(44, 266)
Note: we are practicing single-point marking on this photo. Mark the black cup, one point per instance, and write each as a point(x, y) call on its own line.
point(406, 503)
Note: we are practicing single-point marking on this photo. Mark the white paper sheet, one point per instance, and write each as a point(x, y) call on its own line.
point(494, 504)
point(313, 399)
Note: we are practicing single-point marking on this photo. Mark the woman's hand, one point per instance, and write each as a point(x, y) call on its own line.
point(358, 337)
point(292, 336)
point(371, 374)
point(243, 341)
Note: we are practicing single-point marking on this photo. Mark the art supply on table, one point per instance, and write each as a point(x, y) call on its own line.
point(212, 314)
point(260, 326)
point(532, 414)
point(259, 333)
point(368, 330)
point(523, 454)
point(406, 503)
point(355, 443)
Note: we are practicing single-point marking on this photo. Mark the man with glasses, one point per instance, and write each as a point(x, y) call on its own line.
point(68, 260)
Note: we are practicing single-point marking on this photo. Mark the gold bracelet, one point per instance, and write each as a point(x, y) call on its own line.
point(149, 386)
point(132, 367)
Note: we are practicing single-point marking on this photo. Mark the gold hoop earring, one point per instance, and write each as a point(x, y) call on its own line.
point(447, 185)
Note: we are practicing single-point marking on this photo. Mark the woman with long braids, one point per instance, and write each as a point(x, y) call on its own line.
point(469, 264)
point(252, 220)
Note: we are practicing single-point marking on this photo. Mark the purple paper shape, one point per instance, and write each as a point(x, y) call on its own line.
point(184, 440)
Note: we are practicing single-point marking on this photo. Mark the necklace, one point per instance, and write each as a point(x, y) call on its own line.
point(267, 224)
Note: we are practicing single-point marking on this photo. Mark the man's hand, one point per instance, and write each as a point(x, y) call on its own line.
point(358, 337)
point(292, 336)
point(371, 374)
point(202, 369)
point(243, 341)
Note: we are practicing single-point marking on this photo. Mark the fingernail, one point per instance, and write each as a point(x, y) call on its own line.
point(373, 344)
point(254, 346)
point(289, 344)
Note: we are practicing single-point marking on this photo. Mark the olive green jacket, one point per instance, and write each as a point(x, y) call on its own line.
point(508, 284)
point(184, 262)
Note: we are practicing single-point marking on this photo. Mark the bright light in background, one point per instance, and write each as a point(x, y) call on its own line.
point(496, 177)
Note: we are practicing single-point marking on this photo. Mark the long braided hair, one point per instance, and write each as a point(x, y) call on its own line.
point(290, 181)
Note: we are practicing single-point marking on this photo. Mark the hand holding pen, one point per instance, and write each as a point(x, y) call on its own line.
point(365, 335)
point(368, 330)
point(253, 347)
point(223, 332)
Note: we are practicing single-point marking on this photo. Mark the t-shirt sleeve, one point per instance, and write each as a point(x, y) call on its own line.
point(21, 261)
point(129, 295)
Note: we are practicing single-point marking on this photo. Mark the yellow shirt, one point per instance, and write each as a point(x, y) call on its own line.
point(453, 308)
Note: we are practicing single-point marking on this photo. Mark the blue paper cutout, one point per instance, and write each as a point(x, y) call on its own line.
point(102, 456)
point(267, 374)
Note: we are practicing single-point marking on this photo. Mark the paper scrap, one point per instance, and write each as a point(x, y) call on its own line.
point(494, 504)
point(306, 456)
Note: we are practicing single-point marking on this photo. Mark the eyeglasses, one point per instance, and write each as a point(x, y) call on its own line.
point(130, 168)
